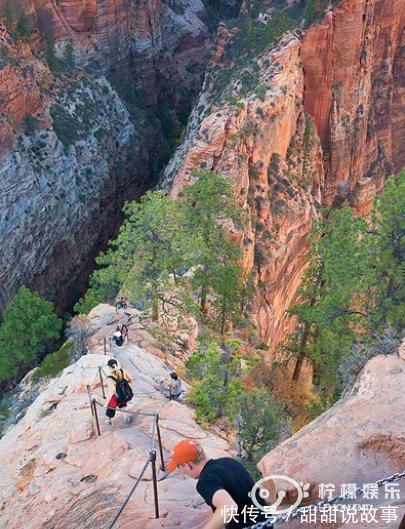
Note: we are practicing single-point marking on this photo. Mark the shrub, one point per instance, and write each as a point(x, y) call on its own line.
point(31, 124)
point(278, 206)
point(67, 127)
point(217, 387)
point(262, 423)
point(55, 362)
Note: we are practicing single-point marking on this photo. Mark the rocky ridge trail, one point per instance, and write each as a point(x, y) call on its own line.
point(56, 472)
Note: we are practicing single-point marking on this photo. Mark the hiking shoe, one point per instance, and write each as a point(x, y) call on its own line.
point(108, 422)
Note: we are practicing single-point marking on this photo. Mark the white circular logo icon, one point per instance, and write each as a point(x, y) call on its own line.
point(263, 493)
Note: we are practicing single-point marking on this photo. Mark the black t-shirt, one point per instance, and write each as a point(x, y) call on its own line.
point(228, 474)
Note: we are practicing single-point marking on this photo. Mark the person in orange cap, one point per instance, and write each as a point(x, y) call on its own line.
point(223, 483)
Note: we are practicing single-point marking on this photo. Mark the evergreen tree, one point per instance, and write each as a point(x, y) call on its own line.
point(209, 202)
point(353, 290)
point(314, 9)
point(388, 254)
point(46, 26)
point(50, 53)
point(151, 246)
point(69, 57)
point(22, 29)
point(228, 287)
point(218, 385)
point(330, 315)
point(162, 236)
point(262, 422)
point(29, 329)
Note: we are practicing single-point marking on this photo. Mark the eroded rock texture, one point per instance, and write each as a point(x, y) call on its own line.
point(56, 472)
point(74, 147)
point(359, 440)
point(323, 123)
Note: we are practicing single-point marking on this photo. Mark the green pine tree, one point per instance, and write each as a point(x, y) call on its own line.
point(151, 246)
point(388, 254)
point(332, 315)
point(22, 28)
point(8, 13)
point(217, 383)
point(262, 421)
point(228, 288)
point(69, 57)
point(29, 330)
point(209, 202)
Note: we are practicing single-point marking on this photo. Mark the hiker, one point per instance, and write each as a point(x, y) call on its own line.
point(123, 329)
point(175, 389)
point(121, 304)
point(223, 483)
point(119, 390)
point(118, 339)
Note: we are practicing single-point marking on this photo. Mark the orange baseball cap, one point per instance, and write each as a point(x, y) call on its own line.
point(185, 451)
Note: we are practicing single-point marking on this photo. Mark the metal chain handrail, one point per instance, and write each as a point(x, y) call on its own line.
point(271, 522)
point(132, 491)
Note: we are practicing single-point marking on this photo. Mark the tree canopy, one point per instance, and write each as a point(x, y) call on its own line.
point(163, 238)
point(29, 330)
point(353, 289)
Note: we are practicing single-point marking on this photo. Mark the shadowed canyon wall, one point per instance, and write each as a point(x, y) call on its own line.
point(75, 146)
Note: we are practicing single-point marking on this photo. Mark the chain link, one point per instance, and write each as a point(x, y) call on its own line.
point(271, 522)
point(132, 491)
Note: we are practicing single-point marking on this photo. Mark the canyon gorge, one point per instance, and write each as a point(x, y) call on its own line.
point(300, 104)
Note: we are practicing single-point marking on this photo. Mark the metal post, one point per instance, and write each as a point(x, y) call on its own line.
point(105, 345)
point(96, 417)
point(162, 461)
point(154, 476)
point(90, 401)
point(100, 374)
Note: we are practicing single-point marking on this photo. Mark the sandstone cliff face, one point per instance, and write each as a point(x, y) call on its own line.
point(359, 440)
point(56, 473)
point(321, 125)
point(354, 89)
point(158, 44)
point(66, 159)
point(72, 150)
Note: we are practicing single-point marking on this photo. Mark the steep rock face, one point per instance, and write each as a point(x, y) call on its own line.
point(56, 473)
point(354, 89)
point(268, 148)
point(359, 440)
point(66, 162)
point(321, 125)
point(72, 149)
point(157, 44)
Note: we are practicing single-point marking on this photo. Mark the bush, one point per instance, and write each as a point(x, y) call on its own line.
point(314, 9)
point(278, 206)
point(29, 329)
point(31, 124)
point(218, 386)
point(262, 423)
point(66, 126)
point(54, 363)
